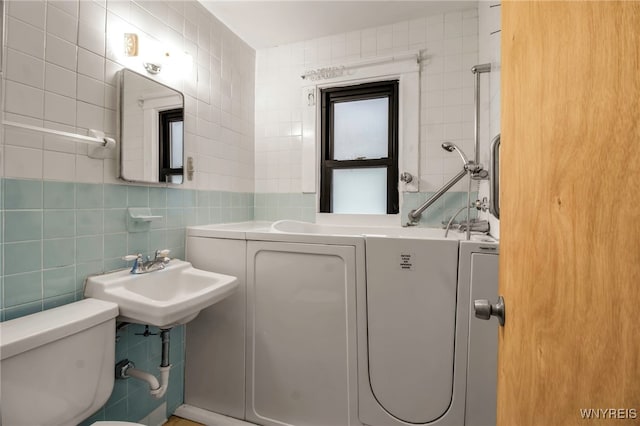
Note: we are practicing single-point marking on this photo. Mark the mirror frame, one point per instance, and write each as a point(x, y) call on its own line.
point(161, 163)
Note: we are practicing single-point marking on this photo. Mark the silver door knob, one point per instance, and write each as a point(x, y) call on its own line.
point(485, 310)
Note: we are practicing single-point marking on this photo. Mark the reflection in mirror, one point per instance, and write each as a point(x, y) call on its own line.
point(150, 124)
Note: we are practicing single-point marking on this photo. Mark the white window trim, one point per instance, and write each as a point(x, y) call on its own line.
point(405, 68)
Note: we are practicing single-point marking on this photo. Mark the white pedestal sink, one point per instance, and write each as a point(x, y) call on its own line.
point(163, 298)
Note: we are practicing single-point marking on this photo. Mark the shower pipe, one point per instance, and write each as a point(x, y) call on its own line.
point(477, 70)
point(473, 168)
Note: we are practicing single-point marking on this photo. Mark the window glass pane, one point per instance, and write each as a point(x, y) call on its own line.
point(360, 191)
point(175, 133)
point(361, 129)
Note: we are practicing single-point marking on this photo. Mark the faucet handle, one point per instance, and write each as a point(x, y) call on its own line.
point(131, 257)
point(162, 253)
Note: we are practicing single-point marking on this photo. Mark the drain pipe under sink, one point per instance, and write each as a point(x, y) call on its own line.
point(126, 369)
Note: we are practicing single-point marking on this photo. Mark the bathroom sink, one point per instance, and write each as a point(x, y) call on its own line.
point(164, 298)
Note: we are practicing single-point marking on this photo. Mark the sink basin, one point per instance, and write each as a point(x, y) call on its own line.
point(164, 298)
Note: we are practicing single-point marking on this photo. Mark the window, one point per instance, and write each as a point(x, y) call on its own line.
point(359, 162)
point(171, 131)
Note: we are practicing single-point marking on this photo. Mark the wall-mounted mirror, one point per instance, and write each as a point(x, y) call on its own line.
point(151, 129)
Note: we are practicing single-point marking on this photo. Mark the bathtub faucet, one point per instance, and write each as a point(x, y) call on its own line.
point(475, 225)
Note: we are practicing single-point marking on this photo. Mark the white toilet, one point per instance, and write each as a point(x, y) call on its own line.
point(57, 366)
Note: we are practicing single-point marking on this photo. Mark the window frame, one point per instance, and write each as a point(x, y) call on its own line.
point(375, 90)
point(165, 118)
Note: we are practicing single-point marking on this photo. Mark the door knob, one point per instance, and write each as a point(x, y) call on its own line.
point(485, 310)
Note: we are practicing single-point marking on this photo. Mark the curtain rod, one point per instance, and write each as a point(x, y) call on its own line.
point(337, 71)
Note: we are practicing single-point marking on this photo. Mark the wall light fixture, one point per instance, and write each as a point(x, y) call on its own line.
point(130, 44)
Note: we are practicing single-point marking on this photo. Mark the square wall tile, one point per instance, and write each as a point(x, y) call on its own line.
point(31, 12)
point(62, 24)
point(90, 90)
point(190, 217)
point(20, 225)
point(115, 220)
point(24, 69)
point(59, 252)
point(24, 37)
point(114, 264)
point(59, 109)
point(175, 238)
point(190, 198)
point(83, 270)
point(88, 196)
point(91, 64)
point(89, 248)
point(115, 245)
point(118, 411)
point(22, 257)
point(157, 197)
point(24, 100)
point(115, 196)
point(22, 288)
point(92, 38)
point(59, 195)
point(90, 116)
point(23, 163)
point(61, 52)
point(138, 243)
point(175, 197)
point(137, 196)
point(69, 6)
point(202, 216)
point(203, 198)
point(59, 223)
point(59, 281)
point(175, 218)
point(89, 222)
point(60, 80)
point(157, 240)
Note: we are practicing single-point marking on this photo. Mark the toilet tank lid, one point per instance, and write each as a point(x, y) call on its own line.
point(28, 332)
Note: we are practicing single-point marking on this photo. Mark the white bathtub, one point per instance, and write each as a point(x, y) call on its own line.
point(334, 325)
point(297, 227)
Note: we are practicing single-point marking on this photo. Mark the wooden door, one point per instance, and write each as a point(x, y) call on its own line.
point(570, 228)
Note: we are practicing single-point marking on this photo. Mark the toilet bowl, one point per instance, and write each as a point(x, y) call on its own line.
point(57, 365)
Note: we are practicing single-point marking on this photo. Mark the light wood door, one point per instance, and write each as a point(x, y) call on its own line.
point(570, 214)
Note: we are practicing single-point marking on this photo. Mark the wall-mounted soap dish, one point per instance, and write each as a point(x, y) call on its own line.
point(139, 219)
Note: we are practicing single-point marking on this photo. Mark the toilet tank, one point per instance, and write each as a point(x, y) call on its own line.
point(57, 366)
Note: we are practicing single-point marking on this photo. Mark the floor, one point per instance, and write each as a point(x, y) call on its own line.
point(179, 421)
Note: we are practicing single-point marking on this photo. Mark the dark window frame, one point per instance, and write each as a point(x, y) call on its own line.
point(329, 97)
point(165, 118)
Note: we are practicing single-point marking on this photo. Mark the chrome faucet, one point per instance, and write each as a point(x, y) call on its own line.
point(475, 225)
point(141, 266)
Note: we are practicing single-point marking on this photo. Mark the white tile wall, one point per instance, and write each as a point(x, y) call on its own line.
point(60, 60)
point(489, 37)
point(450, 46)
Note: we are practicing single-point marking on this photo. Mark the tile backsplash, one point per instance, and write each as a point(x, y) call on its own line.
point(57, 233)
